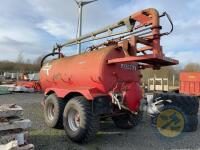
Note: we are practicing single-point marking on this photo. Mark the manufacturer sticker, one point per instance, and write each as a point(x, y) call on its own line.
point(131, 67)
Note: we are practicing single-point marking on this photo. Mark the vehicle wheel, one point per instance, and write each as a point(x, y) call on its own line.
point(53, 111)
point(153, 120)
point(191, 124)
point(189, 104)
point(79, 122)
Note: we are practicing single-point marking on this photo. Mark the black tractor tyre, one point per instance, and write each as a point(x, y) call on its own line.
point(80, 123)
point(53, 111)
point(153, 120)
point(189, 104)
point(122, 121)
point(191, 123)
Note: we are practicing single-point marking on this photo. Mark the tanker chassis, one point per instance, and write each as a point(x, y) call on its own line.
point(104, 81)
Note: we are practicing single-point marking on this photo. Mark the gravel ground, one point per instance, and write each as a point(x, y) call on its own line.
point(109, 137)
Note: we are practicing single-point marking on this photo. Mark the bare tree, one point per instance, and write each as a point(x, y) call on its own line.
point(20, 58)
point(192, 67)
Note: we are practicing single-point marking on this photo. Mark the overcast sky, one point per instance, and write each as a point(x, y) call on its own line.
point(32, 27)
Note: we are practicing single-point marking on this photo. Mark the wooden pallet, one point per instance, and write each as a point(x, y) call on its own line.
point(13, 128)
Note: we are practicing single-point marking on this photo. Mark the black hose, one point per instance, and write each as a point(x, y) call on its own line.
point(50, 54)
point(170, 20)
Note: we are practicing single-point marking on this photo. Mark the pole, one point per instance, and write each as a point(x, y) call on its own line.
point(79, 26)
point(80, 13)
point(173, 80)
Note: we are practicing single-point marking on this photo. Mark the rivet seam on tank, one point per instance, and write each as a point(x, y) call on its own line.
point(46, 68)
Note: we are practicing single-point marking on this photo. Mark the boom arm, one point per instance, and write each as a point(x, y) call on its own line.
point(142, 28)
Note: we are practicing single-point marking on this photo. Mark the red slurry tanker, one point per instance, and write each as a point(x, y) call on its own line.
point(104, 81)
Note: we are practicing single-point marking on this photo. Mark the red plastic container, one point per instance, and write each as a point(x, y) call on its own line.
point(190, 83)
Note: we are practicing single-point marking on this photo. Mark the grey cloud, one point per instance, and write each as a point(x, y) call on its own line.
point(10, 48)
point(53, 21)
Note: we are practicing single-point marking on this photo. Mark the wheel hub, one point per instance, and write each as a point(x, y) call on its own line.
point(74, 120)
point(51, 111)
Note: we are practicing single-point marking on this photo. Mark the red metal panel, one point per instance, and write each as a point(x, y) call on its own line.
point(190, 83)
point(149, 59)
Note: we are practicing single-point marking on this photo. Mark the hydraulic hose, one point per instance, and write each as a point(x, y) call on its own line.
point(170, 21)
point(50, 54)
